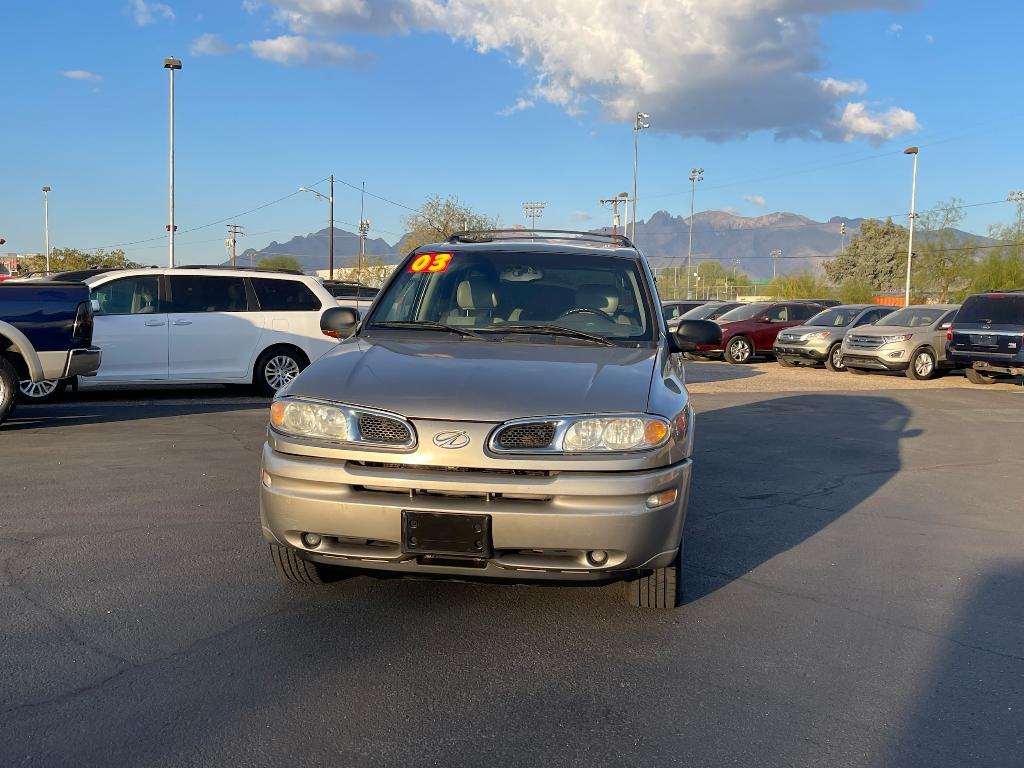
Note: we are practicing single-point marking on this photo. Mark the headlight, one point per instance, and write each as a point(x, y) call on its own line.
point(895, 339)
point(628, 433)
point(818, 335)
point(340, 423)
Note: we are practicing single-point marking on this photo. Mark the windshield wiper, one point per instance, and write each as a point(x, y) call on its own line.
point(429, 325)
point(552, 330)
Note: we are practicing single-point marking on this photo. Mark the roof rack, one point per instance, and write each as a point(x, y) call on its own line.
point(490, 235)
point(241, 269)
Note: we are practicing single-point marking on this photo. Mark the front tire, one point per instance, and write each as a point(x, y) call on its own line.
point(8, 389)
point(295, 570)
point(276, 368)
point(834, 359)
point(977, 377)
point(739, 350)
point(922, 365)
point(661, 588)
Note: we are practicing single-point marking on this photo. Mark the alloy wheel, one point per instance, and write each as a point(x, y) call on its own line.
point(280, 370)
point(38, 389)
point(924, 364)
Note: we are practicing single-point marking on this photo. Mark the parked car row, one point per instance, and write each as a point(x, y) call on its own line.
point(201, 325)
point(985, 336)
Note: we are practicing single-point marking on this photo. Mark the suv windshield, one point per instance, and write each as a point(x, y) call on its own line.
point(913, 317)
point(840, 317)
point(746, 312)
point(993, 309)
point(494, 291)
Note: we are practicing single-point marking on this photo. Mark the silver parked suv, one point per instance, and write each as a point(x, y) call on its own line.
point(912, 340)
point(511, 407)
point(820, 339)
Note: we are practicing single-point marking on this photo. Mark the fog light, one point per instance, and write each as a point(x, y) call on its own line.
point(311, 540)
point(265, 476)
point(662, 498)
point(896, 354)
point(597, 557)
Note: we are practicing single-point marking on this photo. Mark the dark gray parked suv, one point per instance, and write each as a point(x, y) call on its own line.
point(511, 408)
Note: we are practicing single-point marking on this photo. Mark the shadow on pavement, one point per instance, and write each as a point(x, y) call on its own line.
point(703, 371)
point(771, 474)
point(970, 710)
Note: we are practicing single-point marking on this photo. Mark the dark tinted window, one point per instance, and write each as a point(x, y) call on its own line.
point(802, 311)
point(284, 295)
point(746, 312)
point(708, 311)
point(835, 318)
point(208, 294)
point(344, 291)
point(128, 296)
point(993, 309)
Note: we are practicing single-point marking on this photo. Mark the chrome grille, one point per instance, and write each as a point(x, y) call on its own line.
point(381, 429)
point(526, 436)
point(864, 342)
point(791, 339)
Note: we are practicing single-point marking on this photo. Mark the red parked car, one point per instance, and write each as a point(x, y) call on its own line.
point(751, 329)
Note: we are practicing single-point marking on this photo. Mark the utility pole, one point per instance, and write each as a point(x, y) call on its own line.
point(776, 255)
point(330, 237)
point(910, 242)
point(171, 64)
point(615, 212)
point(46, 225)
point(364, 228)
point(696, 174)
point(533, 211)
point(235, 231)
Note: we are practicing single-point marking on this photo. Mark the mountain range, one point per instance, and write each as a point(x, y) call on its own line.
point(742, 241)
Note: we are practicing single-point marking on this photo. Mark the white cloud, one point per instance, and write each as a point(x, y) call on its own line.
point(757, 200)
point(841, 88)
point(929, 39)
point(81, 74)
point(581, 216)
point(858, 121)
point(895, 29)
point(718, 70)
point(149, 13)
point(294, 49)
point(519, 106)
point(208, 44)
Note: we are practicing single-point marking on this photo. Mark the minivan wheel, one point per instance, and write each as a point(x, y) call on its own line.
point(661, 588)
point(977, 377)
point(739, 350)
point(45, 391)
point(922, 365)
point(276, 368)
point(834, 360)
point(295, 570)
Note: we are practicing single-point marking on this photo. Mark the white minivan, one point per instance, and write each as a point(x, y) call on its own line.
point(204, 325)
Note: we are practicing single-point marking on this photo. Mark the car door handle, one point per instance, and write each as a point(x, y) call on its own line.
point(155, 323)
point(182, 322)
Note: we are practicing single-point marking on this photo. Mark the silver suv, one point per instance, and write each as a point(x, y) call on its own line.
point(912, 340)
point(511, 407)
point(820, 339)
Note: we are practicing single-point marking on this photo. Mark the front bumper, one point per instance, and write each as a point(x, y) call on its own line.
point(875, 362)
point(790, 352)
point(542, 524)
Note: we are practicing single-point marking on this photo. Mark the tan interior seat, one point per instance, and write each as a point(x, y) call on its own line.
point(477, 300)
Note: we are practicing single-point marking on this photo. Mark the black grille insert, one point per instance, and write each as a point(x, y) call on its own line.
point(538, 434)
point(381, 429)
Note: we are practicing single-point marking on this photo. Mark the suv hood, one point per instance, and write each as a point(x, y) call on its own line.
point(891, 330)
point(834, 331)
point(480, 381)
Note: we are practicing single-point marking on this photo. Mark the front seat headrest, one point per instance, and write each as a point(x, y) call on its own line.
point(602, 297)
point(476, 294)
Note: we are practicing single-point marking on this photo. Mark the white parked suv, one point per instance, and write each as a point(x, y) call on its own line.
point(201, 325)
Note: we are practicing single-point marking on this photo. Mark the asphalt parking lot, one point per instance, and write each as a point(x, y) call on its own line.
point(855, 597)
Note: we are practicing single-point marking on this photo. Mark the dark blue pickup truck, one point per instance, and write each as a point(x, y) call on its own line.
point(45, 333)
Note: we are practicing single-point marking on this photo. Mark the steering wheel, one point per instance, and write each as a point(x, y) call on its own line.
point(589, 311)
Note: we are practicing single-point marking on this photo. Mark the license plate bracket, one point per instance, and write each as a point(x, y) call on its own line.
point(446, 533)
point(983, 339)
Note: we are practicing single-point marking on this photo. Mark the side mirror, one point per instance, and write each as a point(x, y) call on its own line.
point(339, 322)
point(690, 334)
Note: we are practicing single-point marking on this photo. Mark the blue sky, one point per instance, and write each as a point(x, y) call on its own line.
point(416, 97)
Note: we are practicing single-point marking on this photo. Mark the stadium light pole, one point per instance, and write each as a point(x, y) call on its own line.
point(171, 64)
point(696, 174)
point(643, 120)
point(46, 225)
point(910, 242)
point(330, 237)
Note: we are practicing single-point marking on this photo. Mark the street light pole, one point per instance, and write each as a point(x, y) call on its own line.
point(330, 238)
point(171, 64)
point(696, 174)
point(910, 242)
point(46, 225)
point(643, 120)
point(775, 258)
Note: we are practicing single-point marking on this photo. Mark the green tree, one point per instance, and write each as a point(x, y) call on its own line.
point(941, 263)
point(999, 267)
point(875, 256)
point(439, 218)
point(67, 259)
point(280, 262)
point(854, 291)
point(805, 284)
